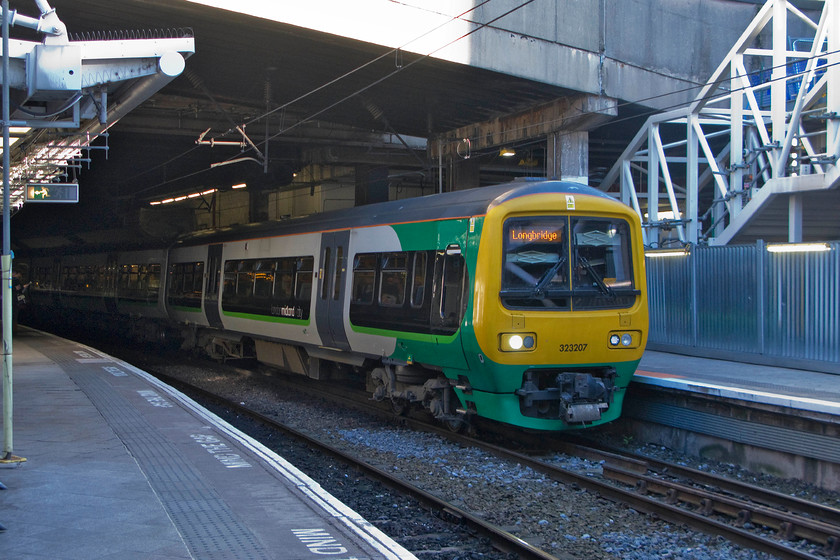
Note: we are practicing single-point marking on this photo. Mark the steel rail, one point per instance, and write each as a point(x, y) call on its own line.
point(649, 505)
point(636, 465)
point(757, 494)
point(788, 525)
point(671, 512)
point(502, 539)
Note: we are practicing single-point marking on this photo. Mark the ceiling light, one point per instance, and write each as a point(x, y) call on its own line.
point(659, 253)
point(798, 247)
point(507, 152)
point(239, 186)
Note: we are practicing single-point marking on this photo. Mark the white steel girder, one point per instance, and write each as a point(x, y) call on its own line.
point(765, 124)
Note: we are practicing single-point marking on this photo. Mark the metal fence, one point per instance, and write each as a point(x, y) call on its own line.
point(748, 304)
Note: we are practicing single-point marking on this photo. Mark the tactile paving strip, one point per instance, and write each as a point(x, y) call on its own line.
point(208, 527)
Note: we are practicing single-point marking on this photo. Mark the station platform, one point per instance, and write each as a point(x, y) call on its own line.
point(785, 387)
point(780, 421)
point(119, 465)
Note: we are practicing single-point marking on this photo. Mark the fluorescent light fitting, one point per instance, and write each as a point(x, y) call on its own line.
point(507, 152)
point(660, 253)
point(798, 247)
point(239, 186)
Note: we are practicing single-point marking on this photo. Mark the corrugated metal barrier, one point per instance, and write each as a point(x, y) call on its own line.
point(745, 303)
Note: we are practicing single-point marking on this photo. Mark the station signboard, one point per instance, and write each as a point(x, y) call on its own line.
point(52, 192)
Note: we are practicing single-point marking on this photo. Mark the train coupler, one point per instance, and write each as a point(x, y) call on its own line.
point(574, 397)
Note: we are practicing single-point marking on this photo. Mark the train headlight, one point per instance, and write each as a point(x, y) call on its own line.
point(625, 339)
point(517, 342)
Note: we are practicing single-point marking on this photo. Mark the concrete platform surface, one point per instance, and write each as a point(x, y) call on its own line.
point(119, 465)
point(793, 388)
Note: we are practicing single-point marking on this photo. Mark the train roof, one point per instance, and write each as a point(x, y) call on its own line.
point(451, 205)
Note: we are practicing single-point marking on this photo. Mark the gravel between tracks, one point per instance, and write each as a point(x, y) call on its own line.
point(562, 519)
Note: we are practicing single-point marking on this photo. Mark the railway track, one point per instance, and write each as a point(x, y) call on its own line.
point(708, 503)
point(789, 516)
point(712, 504)
point(501, 539)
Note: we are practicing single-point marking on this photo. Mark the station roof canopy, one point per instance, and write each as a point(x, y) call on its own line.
point(317, 89)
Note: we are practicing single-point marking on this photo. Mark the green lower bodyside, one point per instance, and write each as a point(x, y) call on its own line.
point(184, 309)
point(441, 350)
point(266, 318)
point(504, 407)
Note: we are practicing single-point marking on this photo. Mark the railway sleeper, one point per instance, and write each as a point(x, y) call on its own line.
point(788, 526)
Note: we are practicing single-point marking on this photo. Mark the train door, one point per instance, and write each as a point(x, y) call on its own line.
point(211, 287)
point(332, 276)
point(450, 298)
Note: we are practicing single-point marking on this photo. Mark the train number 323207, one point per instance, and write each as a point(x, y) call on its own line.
point(572, 347)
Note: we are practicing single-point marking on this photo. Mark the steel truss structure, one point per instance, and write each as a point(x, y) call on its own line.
point(763, 129)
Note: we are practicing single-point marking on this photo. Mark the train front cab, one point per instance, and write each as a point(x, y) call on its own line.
point(559, 311)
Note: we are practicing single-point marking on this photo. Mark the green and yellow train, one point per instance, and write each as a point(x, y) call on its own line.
point(523, 303)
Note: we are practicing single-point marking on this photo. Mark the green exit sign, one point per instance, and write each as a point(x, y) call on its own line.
point(52, 192)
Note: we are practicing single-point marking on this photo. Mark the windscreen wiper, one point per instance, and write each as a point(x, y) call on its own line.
point(547, 277)
point(598, 280)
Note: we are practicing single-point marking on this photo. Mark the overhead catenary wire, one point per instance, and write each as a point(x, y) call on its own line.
point(312, 91)
point(390, 74)
point(557, 122)
point(695, 86)
point(481, 153)
point(349, 73)
point(400, 69)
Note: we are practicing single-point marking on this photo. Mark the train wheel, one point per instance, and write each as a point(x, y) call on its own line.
point(399, 406)
point(456, 424)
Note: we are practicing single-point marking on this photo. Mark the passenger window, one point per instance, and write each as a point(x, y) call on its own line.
point(245, 279)
point(100, 282)
point(364, 274)
point(264, 279)
point(230, 279)
point(394, 275)
point(285, 281)
point(133, 278)
point(198, 278)
point(418, 280)
point(153, 278)
point(122, 280)
point(303, 279)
